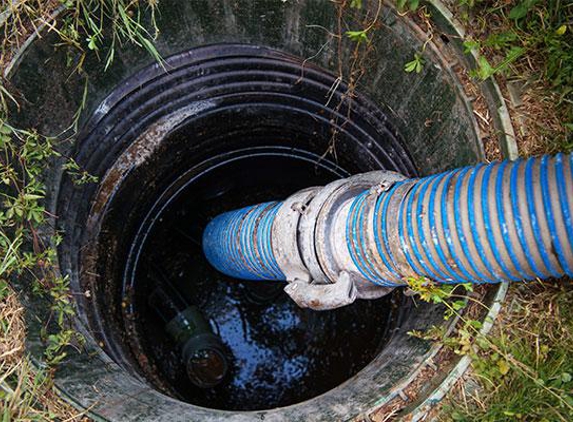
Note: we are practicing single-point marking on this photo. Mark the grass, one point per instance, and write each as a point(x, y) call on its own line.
point(524, 369)
point(528, 43)
point(26, 392)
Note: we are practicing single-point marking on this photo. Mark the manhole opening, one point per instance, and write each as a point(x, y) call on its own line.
point(262, 133)
point(278, 353)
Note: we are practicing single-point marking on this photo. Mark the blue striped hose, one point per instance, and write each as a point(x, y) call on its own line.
point(238, 243)
point(504, 221)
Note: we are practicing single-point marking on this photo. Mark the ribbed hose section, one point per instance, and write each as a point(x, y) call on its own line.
point(506, 221)
point(238, 243)
point(490, 223)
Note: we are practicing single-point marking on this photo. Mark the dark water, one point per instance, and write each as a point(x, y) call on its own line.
point(278, 353)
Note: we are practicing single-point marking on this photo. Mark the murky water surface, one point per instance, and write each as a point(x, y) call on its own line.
point(278, 354)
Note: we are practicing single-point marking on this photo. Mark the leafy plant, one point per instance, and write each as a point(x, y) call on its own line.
point(524, 367)
point(411, 5)
point(357, 36)
point(79, 176)
point(356, 4)
point(416, 65)
point(471, 45)
point(485, 70)
point(538, 30)
point(532, 41)
point(522, 9)
point(517, 378)
point(435, 293)
point(88, 27)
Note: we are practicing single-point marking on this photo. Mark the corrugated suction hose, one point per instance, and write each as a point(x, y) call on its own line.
point(362, 236)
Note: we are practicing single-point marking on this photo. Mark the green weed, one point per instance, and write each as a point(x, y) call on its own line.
point(404, 5)
point(416, 65)
point(26, 154)
point(527, 37)
point(523, 367)
point(85, 26)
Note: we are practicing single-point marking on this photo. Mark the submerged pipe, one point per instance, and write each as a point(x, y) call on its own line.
point(367, 234)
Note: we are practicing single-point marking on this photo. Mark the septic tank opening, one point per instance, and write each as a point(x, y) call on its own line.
point(263, 134)
point(278, 354)
point(231, 125)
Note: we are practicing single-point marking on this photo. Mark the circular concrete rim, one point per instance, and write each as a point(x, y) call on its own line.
point(509, 149)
